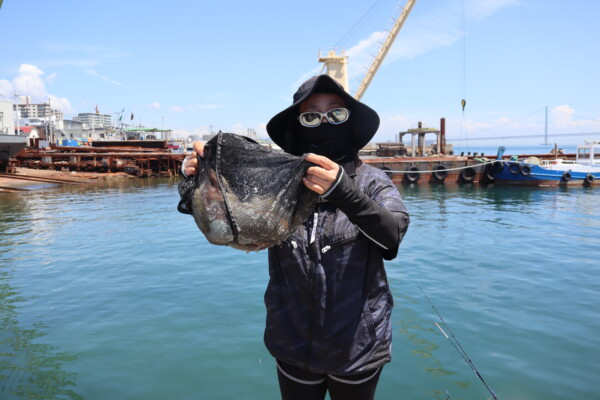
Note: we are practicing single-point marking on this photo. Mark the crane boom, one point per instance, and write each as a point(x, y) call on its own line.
point(383, 50)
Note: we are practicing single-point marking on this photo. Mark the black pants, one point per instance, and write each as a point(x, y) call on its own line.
point(298, 384)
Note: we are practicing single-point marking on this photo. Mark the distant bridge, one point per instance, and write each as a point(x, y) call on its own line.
point(591, 135)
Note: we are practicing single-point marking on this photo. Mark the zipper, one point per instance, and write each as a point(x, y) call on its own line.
point(311, 290)
point(336, 244)
point(313, 252)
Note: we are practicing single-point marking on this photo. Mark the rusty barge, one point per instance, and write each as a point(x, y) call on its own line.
point(420, 163)
point(140, 158)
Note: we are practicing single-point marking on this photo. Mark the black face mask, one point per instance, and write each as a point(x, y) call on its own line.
point(331, 141)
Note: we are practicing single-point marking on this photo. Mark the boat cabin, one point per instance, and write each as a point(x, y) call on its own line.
point(589, 152)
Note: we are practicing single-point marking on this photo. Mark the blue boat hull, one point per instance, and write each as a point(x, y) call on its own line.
point(519, 173)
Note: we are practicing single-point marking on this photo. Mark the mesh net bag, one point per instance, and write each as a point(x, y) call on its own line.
point(245, 195)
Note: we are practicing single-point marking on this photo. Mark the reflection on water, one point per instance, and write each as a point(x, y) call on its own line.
point(29, 369)
point(424, 337)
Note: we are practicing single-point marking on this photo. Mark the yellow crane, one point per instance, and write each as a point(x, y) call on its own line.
point(337, 63)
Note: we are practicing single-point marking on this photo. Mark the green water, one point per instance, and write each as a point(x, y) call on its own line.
point(106, 292)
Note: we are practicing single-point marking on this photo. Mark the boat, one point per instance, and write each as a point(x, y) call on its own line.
point(532, 171)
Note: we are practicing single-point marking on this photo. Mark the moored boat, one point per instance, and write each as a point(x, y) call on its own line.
point(435, 170)
point(532, 171)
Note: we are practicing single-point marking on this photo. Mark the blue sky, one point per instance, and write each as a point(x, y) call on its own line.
point(234, 64)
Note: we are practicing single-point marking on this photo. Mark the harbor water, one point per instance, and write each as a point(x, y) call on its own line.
point(107, 292)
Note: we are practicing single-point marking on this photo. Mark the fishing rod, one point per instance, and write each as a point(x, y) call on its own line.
point(456, 344)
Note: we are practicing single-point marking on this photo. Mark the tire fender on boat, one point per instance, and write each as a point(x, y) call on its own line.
point(514, 168)
point(412, 174)
point(468, 174)
point(386, 170)
point(589, 178)
point(489, 172)
point(498, 167)
point(566, 176)
point(525, 169)
point(440, 172)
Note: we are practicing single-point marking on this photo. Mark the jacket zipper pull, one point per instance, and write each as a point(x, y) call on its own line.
point(313, 233)
point(325, 249)
point(294, 244)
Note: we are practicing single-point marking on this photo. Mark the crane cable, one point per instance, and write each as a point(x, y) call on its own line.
point(463, 54)
point(362, 20)
point(463, 78)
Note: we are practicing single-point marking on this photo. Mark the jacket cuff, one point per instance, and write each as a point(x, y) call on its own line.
point(338, 179)
point(377, 223)
point(183, 167)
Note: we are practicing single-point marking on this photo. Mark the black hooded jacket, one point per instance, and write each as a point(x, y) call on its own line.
point(328, 300)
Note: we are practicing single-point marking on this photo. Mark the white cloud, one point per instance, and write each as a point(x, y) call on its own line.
point(28, 82)
point(390, 125)
point(7, 91)
point(155, 104)
point(564, 116)
point(480, 9)
point(177, 109)
point(111, 81)
point(300, 81)
point(51, 78)
point(60, 103)
point(104, 78)
point(422, 41)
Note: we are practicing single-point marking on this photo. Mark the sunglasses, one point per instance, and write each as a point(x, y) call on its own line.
point(313, 119)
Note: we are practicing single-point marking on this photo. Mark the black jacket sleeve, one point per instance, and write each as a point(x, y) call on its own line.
point(379, 214)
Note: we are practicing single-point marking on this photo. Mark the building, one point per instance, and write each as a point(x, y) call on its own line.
point(7, 122)
point(93, 120)
point(29, 110)
point(10, 143)
point(72, 125)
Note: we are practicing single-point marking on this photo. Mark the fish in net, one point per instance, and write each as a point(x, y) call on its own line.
point(245, 195)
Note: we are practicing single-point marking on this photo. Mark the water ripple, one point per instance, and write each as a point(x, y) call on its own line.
point(116, 295)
